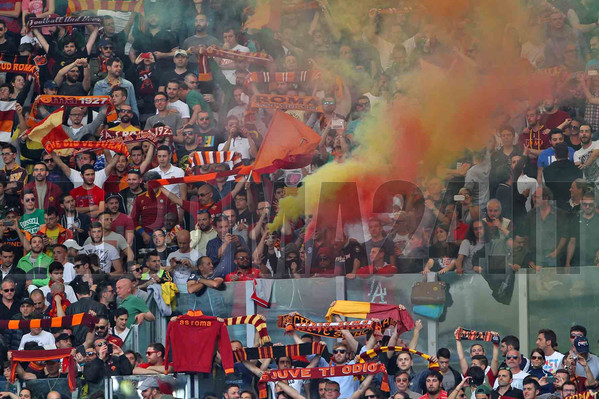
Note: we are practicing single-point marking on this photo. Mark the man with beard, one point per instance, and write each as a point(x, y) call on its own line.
point(189, 145)
point(201, 38)
point(223, 248)
point(504, 386)
point(110, 260)
point(67, 79)
point(239, 140)
point(553, 117)
point(244, 270)
point(583, 245)
point(560, 174)
point(547, 156)
point(572, 133)
point(117, 180)
point(164, 115)
point(587, 158)
point(169, 171)
point(118, 40)
point(121, 223)
point(161, 42)
point(77, 222)
point(114, 69)
point(172, 92)
point(119, 96)
point(134, 190)
point(434, 379)
point(35, 263)
point(69, 53)
point(204, 232)
point(126, 114)
point(208, 138)
point(98, 65)
point(46, 194)
point(76, 129)
point(139, 161)
point(180, 60)
point(203, 278)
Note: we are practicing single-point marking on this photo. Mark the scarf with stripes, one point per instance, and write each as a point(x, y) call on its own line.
point(464, 334)
point(357, 369)
point(42, 355)
point(153, 135)
point(356, 328)
point(72, 101)
point(64, 21)
point(24, 64)
point(291, 77)
point(120, 148)
point(275, 352)
point(200, 158)
point(252, 58)
point(372, 353)
point(83, 319)
point(257, 320)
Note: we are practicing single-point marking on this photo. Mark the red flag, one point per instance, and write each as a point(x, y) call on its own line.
point(267, 15)
point(7, 117)
point(50, 129)
point(288, 144)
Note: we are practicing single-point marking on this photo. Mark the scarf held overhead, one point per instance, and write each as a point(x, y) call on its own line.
point(90, 145)
point(72, 101)
point(79, 319)
point(21, 64)
point(366, 310)
point(297, 322)
point(463, 334)
point(291, 77)
point(201, 158)
point(153, 135)
point(42, 355)
point(275, 101)
point(252, 58)
point(372, 353)
point(64, 21)
point(275, 352)
point(318, 373)
point(257, 320)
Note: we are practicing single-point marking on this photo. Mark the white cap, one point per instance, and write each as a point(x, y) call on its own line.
point(70, 243)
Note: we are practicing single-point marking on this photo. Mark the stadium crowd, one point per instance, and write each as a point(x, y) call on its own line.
point(98, 230)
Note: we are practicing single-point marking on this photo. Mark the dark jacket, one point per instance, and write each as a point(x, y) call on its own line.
point(12, 338)
point(19, 277)
point(84, 222)
point(114, 365)
point(83, 305)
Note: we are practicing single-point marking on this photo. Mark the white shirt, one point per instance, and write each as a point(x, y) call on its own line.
point(240, 145)
point(77, 180)
point(524, 183)
point(591, 173)
point(172, 172)
point(552, 363)
point(517, 382)
point(44, 338)
point(106, 253)
point(69, 273)
point(180, 106)
point(230, 73)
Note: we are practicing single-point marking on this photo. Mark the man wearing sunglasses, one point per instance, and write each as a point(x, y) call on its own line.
point(9, 306)
point(155, 360)
point(244, 270)
point(513, 359)
point(84, 303)
point(109, 361)
point(98, 64)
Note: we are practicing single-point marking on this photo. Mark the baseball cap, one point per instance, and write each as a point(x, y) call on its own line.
point(151, 382)
point(50, 84)
point(70, 243)
point(104, 42)
point(581, 344)
point(181, 52)
point(13, 210)
point(112, 195)
point(64, 336)
point(27, 301)
point(483, 389)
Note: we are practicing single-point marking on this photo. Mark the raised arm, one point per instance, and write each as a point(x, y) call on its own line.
point(414, 341)
point(40, 38)
point(363, 387)
point(65, 169)
point(92, 39)
point(461, 356)
point(495, 359)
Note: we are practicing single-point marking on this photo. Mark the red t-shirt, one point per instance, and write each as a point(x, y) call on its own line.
point(368, 270)
point(115, 183)
point(122, 223)
point(251, 274)
point(551, 121)
point(87, 197)
point(534, 140)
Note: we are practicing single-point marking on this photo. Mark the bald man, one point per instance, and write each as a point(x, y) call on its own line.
point(135, 306)
point(183, 260)
point(53, 395)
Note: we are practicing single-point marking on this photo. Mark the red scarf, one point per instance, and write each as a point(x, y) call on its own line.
point(51, 354)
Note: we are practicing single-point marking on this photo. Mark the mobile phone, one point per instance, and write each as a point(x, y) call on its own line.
point(550, 379)
point(8, 223)
point(337, 123)
point(459, 197)
point(593, 72)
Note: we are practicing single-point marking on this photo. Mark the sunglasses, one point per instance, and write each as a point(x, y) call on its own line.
point(342, 351)
point(100, 327)
point(188, 133)
point(148, 353)
point(6, 153)
point(536, 357)
point(402, 380)
point(101, 344)
point(9, 290)
point(323, 258)
point(90, 353)
point(136, 270)
point(370, 396)
point(204, 119)
point(574, 336)
point(512, 357)
point(77, 265)
point(125, 111)
point(47, 160)
point(29, 200)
